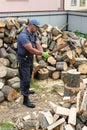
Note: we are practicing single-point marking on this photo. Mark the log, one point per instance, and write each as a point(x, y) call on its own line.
point(1, 43)
point(21, 28)
point(16, 23)
point(64, 76)
point(51, 70)
point(9, 24)
point(11, 72)
point(73, 78)
point(84, 128)
point(23, 20)
point(42, 63)
point(69, 127)
point(83, 68)
point(44, 46)
point(9, 93)
point(3, 71)
point(59, 109)
point(72, 116)
point(10, 50)
point(12, 57)
point(3, 53)
point(56, 31)
point(8, 72)
point(1, 97)
point(52, 44)
point(61, 66)
point(2, 24)
point(13, 80)
point(55, 124)
point(12, 35)
point(73, 83)
point(4, 62)
point(44, 39)
point(51, 60)
point(43, 122)
point(48, 116)
point(84, 102)
point(55, 75)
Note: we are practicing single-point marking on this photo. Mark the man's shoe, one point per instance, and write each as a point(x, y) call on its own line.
point(31, 92)
point(29, 104)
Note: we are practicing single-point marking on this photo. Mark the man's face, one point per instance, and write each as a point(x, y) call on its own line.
point(34, 29)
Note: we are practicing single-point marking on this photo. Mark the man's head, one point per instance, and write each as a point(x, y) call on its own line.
point(35, 22)
point(34, 25)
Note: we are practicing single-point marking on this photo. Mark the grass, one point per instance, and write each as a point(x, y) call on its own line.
point(34, 85)
point(7, 126)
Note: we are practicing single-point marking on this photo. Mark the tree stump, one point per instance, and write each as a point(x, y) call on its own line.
point(73, 82)
point(42, 74)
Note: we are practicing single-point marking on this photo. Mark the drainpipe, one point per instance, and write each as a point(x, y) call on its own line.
point(67, 20)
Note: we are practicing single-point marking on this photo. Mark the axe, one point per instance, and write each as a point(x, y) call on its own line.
point(68, 42)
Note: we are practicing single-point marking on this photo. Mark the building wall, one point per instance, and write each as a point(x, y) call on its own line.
point(68, 6)
point(30, 5)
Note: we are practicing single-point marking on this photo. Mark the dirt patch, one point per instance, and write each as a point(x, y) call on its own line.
point(9, 111)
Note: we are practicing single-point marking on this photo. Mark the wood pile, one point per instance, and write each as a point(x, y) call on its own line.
point(9, 77)
point(67, 61)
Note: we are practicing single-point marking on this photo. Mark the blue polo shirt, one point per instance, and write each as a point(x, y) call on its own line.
point(25, 38)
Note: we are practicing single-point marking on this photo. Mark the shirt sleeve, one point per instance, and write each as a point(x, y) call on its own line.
point(23, 39)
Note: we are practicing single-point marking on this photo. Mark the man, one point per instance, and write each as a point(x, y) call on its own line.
point(28, 45)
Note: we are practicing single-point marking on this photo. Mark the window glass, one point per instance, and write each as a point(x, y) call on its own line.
point(82, 2)
point(73, 2)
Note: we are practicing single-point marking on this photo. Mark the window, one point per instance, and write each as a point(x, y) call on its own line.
point(73, 2)
point(82, 2)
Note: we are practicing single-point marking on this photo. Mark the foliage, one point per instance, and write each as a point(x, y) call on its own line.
point(79, 34)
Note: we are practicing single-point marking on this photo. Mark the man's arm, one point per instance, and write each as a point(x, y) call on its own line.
point(39, 47)
point(32, 50)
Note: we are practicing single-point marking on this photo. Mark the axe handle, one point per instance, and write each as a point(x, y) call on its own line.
point(58, 49)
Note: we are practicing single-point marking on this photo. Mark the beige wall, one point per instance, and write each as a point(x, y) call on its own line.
point(77, 7)
point(28, 5)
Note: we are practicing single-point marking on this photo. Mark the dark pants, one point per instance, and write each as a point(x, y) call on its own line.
point(25, 72)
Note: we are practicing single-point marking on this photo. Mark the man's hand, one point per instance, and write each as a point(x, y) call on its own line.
point(45, 55)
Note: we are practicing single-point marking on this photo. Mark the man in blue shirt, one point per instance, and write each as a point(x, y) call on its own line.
point(28, 45)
